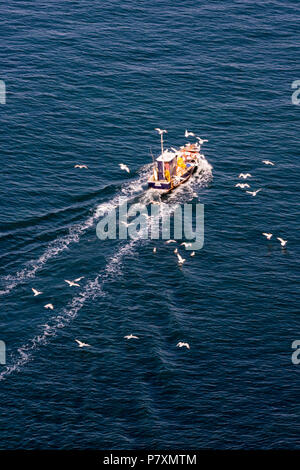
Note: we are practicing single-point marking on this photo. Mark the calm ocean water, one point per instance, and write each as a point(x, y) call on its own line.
point(87, 82)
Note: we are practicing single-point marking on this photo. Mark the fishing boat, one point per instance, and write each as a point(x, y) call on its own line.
point(174, 167)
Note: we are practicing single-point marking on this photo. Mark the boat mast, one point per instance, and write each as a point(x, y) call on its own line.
point(161, 133)
point(162, 142)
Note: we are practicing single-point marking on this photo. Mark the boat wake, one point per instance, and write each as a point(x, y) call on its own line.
point(93, 289)
point(59, 245)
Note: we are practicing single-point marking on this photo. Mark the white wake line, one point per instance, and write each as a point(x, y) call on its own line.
point(61, 244)
point(92, 290)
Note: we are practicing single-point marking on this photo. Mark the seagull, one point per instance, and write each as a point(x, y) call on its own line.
point(49, 306)
point(80, 166)
point(193, 253)
point(160, 131)
point(268, 162)
point(171, 241)
point(124, 167)
point(72, 283)
point(245, 175)
point(36, 292)
point(154, 249)
point(126, 224)
point(81, 344)
point(176, 250)
point(186, 244)
point(187, 134)
point(180, 259)
point(268, 235)
point(201, 141)
point(131, 337)
point(242, 185)
point(181, 344)
point(253, 193)
point(282, 242)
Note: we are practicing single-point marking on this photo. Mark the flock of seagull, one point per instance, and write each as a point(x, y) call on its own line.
point(180, 259)
point(81, 344)
point(254, 193)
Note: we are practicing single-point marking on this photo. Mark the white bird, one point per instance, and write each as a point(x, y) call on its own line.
point(187, 134)
point(126, 224)
point(49, 306)
point(171, 241)
point(185, 244)
point(253, 193)
point(180, 259)
point(124, 167)
point(80, 166)
point(201, 141)
point(72, 283)
point(268, 162)
point(160, 131)
point(242, 185)
point(267, 235)
point(245, 175)
point(193, 253)
point(154, 249)
point(131, 336)
point(78, 279)
point(36, 292)
point(176, 250)
point(282, 242)
point(181, 345)
point(81, 344)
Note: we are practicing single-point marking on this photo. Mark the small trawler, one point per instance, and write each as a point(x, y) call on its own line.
point(174, 167)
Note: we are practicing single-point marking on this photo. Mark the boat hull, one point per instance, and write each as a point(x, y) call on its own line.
point(167, 186)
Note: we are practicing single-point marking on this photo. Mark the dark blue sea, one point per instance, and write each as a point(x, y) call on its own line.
point(86, 83)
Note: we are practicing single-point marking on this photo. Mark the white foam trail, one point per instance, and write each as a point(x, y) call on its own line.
point(61, 244)
point(92, 290)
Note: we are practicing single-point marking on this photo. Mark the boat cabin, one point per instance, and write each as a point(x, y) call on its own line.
point(166, 163)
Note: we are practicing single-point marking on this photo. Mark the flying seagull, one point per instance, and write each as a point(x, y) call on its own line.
point(180, 259)
point(80, 166)
point(81, 344)
point(282, 242)
point(160, 131)
point(267, 235)
point(201, 141)
point(187, 134)
point(154, 249)
point(131, 337)
point(253, 193)
point(124, 167)
point(72, 283)
point(242, 185)
point(245, 175)
point(171, 241)
point(186, 244)
point(181, 345)
point(193, 253)
point(49, 306)
point(268, 162)
point(36, 292)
